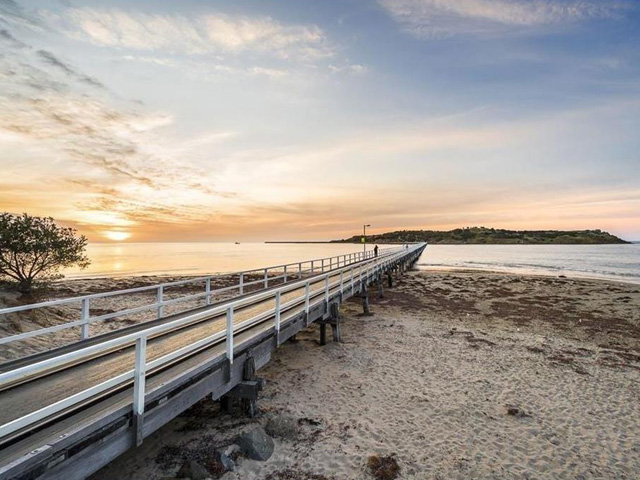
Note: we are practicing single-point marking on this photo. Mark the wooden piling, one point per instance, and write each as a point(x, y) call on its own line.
point(246, 391)
point(249, 405)
point(365, 301)
point(335, 322)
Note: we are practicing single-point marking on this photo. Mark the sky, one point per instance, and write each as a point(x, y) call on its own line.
point(298, 119)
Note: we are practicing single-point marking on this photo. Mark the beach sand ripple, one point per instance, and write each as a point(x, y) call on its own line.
point(457, 375)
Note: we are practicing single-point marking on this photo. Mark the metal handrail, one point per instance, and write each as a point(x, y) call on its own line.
point(86, 318)
point(138, 373)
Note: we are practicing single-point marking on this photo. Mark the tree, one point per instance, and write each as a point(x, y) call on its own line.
point(33, 249)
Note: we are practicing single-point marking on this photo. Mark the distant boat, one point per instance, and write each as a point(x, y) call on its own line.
point(237, 243)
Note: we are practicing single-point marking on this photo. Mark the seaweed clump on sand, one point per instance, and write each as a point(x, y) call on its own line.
point(383, 468)
point(291, 474)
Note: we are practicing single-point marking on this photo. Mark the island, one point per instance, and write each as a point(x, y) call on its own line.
point(484, 235)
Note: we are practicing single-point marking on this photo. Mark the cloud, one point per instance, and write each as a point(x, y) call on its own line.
point(429, 18)
point(162, 61)
point(63, 131)
point(197, 35)
point(349, 68)
point(13, 41)
point(268, 72)
point(13, 14)
point(51, 59)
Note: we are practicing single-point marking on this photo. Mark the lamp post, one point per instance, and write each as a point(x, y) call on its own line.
point(364, 237)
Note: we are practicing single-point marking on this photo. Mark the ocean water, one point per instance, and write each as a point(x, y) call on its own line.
point(612, 262)
point(119, 259)
point(617, 262)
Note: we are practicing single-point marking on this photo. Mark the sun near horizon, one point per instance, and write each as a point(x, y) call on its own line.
point(117, 236)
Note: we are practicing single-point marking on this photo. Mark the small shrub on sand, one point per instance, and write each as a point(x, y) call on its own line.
point(33, 249)
point(383, 468)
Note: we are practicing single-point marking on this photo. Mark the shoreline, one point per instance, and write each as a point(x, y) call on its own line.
point(600, 261)
point(570, 275)
point(420, 267)
point(457, 375)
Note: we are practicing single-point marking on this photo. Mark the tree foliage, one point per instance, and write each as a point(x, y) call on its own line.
point(34, 249)
point(483, 235)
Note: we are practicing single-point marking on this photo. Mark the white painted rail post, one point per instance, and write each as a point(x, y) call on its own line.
point(230, 333)
point(266, 278)
point(322, 266)
point(312, 267)
point(285, 274)
point(278, 318)
point(160, 301)
point(241, 284)
point(85, 318)
point(208, 291)
point(341, 283)
point(300, 270)
point(306, 300)
point(352, 281)
point(139, 379)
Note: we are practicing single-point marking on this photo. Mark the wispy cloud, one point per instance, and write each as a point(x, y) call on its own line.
point(242, 110)
point(92, 145)
point(193, 35)
point(54, 61)
point(11, 13)
point(427, 18)
point(349, 68)
point(113, 162)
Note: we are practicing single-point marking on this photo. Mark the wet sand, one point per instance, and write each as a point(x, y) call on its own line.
point(456, 374)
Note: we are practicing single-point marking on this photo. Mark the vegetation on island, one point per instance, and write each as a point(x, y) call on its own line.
point(34, 249)
point(484, 235)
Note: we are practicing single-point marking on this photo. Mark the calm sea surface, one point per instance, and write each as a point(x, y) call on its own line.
point(109, 260)
point(618, 262)
point(615, 262)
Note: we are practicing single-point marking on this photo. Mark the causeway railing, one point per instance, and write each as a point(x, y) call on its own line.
point(243, 281)
point(339, 279)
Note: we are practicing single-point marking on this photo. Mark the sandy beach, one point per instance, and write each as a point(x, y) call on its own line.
point(456, 375)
